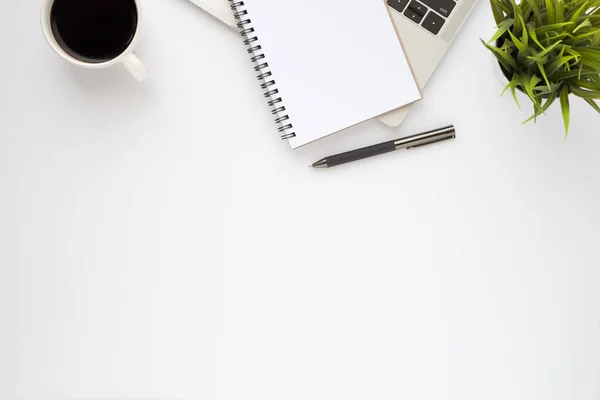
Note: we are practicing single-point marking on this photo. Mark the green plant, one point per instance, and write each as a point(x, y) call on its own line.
point(549, 49)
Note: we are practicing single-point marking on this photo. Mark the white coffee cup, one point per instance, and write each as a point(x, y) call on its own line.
point(128, 57)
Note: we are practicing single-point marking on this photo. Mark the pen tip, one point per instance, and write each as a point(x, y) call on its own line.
point(320, 164)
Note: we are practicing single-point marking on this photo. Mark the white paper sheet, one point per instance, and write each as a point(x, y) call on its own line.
point(335, 64)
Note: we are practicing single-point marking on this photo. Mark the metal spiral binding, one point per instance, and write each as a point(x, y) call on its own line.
point(261, 67)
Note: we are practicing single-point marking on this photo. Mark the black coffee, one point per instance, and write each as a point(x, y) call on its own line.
point(94, 31)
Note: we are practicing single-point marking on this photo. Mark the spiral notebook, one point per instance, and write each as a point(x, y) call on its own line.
point(325, 65)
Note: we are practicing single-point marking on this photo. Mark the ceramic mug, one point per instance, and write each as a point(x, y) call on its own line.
point(105, 25)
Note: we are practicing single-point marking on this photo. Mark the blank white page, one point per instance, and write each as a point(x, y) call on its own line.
point(335, 64)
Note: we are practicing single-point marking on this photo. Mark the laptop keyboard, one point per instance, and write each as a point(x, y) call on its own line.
point(430, 14)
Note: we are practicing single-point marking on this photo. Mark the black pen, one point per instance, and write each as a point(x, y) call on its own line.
point(408, 142)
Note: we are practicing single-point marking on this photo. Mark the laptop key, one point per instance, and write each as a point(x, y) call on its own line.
point(417, 7)
point(433, 23)
point(413, 15)
point(443, 7)
point(398, 5)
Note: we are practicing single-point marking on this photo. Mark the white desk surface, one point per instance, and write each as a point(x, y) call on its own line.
point(158, 241)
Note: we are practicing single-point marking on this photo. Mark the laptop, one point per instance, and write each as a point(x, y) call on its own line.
point(426, 29)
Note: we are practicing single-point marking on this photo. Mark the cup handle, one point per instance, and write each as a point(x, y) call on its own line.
point(136, 67)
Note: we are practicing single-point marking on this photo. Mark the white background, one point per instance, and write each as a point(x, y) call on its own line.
point(157, 240)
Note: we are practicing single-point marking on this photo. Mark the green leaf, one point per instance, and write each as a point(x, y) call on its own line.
point(513, 91)
point(543, 90)
point(535, 7)
point(526, 11)
point(548, 49)
point(506, 8)
point(577, 13)
point(517, 12)
point(541, 67)
point(596, 39)
point(593, 104)
point(522, 48)
point(573, 52)
point(548, 102)
point(532, 83)
point(528, 83)
point(507, 46)
point(564, 105)
point(589, 60)
point(502, 28)
point(554, 36)
point(586, 22)
point(593, 17)
point(551, 11)
point(501, 9)
point(553, 27)
point(583, 36)
point(537, 59)
point(525, 35)
point(593, 78)
point(507, 61)
point(560, 10)
point(541, 110)
point(560, 76)
point(497, 12)
point(583, 93)
point(512, 85)
point(588, 52)
point(557, 63)
point(533, 35)
point(589, 85)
